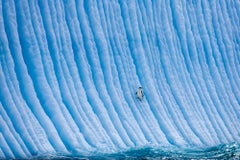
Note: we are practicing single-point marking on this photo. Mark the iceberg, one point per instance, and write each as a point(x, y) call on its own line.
point(69, 71)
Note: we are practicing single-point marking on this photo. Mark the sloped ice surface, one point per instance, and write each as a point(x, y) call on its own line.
point(69, 71)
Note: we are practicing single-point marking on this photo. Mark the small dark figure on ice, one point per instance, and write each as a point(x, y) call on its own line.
point(139, 93)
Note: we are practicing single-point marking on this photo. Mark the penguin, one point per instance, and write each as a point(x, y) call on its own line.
point(139, 93)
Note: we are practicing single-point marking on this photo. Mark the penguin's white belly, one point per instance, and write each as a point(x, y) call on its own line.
point(139, 94)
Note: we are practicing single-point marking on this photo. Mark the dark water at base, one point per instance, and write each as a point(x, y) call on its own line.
point(231, 151)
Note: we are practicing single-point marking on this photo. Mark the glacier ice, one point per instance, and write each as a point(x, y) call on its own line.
point(69, 71)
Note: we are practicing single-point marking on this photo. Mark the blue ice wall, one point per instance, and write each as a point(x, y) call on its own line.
point(69, 71)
